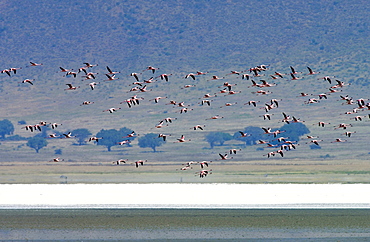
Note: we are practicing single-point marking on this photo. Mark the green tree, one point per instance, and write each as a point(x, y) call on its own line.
point(217, 137)
point(37, 143)
point(294, 131)
point(253, 134)
point(6, 128)
point(81, 135)
point(112, 137)
point(150, 140)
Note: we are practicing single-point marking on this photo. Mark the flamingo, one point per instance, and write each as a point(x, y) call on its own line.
point(198, 127)
point(88, 65)
point(186, 168)
point(208, 95)
point(53, 135)
point(35, 64)
point(71, 73)
point(130, 135)
point(188, 85)
point(185, 110)
point(348, 134)
point(343, 126)
point(338, 140)
point(322, 124)
point(208, 102)
point(204, 163)
point(134, 74)
point(312, 100)
point(279, 74)
point(234, 73)
point(276, 132)
point(294, 77)
point(7, 71)
point(86, 103)
point(229, 104)
point(323, 95)
point(124, 142)
point(246, 76)
point(160, 124)
point(139, 162)
point(120, 161)
point(182, 139)
point(233, 92)
point(252, 102)
point(204, 173)
point(266, 84)
point(150, 80)
point(143, 89)
point(215, 117)
point(297, 120)
point(110, 72)
point(293, 71)
point(224, 157)
point(243, 135)
point(189, 163)
point(165, 76)
point(93, 84)
point(326, 78)
point(68, 135)
point(315, 141)
point(94, 139)
point(215, 78)
point(54, 125)
point(64, 70)
point(151, 68)
point(14, 69)
point(71, 87)
point(156, 99)
point(163, 136)
point(111, 110)
point(266, 130)
point(30, 81)
point(302, 94)
point(111, 78)
point(286, 118)
point(233, 151)
point(311, 72)
point(262, 92)
point(192, 75)
point(56, 159)
point(28, 127)
point(267, 116)
point(311, 137)
point(270, 154)
point(169, 120)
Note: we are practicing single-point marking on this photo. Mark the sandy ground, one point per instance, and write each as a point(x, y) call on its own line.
point(174, 195)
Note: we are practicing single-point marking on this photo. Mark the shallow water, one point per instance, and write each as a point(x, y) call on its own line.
point(185, 224)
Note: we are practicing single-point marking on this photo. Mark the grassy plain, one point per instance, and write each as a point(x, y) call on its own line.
point(345, 162)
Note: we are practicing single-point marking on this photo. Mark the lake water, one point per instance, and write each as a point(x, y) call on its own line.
point(185, 224)
point(197, 212)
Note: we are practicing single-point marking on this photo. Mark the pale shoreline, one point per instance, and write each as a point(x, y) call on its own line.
point(173, 195)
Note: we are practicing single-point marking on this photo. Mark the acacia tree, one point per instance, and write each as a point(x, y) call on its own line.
point(112, 137)
point(150, 140)
point(294, 130)
point(217, 137)
point(37, 143)
point(6, 128)
point(81, 135)
point(253, 134)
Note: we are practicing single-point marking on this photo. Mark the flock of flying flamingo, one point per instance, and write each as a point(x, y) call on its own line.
point(261, 85)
